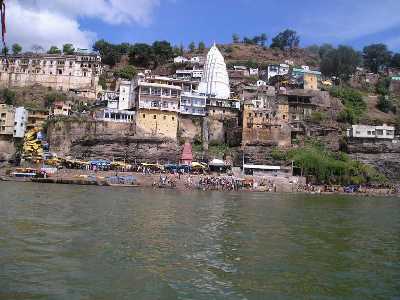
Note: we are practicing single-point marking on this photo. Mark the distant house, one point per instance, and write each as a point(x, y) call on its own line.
point(253, 72)
point(275, 70)
point(371, 132)
point(180, 59)
point(61, 108)
point(261, 83)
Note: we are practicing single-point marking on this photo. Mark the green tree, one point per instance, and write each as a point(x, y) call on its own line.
point(68, 49)
point(287, 39)
point(324, 49)
point(103, 81)
point(141, 55)
point(354, 104)
point(384, 103)
point(127, 72)
point(163, 52)
point(16, 48)
point(340, 62)
point(395, 63)
point(8, 96)
point(235, 38)
point(5, 50)
point(108, 52)
point(314, 49)
point(192, 47)
point(201, 46)
point(376, 56)
point(54, 50)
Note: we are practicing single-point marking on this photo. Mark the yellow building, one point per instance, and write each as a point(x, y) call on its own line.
point(156, 123)
point(158, 108)
point(7, 119)
point(310, 81)
point(266, 122)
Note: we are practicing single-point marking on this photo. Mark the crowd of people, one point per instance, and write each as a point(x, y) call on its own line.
point(225, 183)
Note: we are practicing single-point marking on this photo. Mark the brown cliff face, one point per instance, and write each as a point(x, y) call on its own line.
point(90, 139)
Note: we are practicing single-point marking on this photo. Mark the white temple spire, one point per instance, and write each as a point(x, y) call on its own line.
point(215, 80)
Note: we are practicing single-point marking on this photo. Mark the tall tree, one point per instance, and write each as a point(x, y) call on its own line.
point(287, 39)
point(201, 46)
point(324, 49)
point(16, 48)
point(127, 72)
point(340, 62)
point(5, 50)
point(141, 55)
point(395, 63)
point(108, 52)
point(376, 56)
point(68, 49)
point(162, 51)
point(314, 49)
point(54, 50)
point(235, 38)
point(192, 47)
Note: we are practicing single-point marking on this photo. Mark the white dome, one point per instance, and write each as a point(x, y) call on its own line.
point(215, 80)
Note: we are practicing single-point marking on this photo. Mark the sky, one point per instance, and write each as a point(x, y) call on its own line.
point(81, 22)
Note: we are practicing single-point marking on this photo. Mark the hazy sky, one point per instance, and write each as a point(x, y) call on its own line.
point(54, 22)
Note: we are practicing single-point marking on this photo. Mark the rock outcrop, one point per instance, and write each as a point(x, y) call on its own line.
point(90, 139)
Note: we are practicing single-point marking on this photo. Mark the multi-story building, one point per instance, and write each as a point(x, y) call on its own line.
point(266, 122)
point(61, 108)
point(7, 118)
point(277, 70)
point(36, 118)
point(157, 109)
point(223, 108)
point(13, 120)
point(371, 132)
point(20, 122)
point(306, 78)
point(193, 104)
point(112, 98)
point(126, 95)
point(62, 72)
point(186, 85)
point(116, 115)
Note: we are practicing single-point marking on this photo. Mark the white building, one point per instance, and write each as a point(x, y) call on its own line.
point(112, 98)
point(253, 72)
point(13, 120)
point(261, 83)
point(21, 118)
point(215, 80)
point(371, 132)
point(115, 115)
point(194, 74)
point(126, 95)
point(195, 60)
point(158, 96)
point(275, 70)
point(193, 104)
point(180, 59)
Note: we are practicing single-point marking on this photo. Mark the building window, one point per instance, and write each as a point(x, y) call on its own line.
point(173, 118)
point(165, 117)
point(379, 132)
point(154, 117)
point(283, 117)
point(144, 116)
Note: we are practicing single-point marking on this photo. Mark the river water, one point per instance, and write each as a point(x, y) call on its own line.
point(82, 242)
